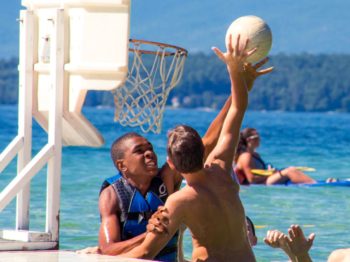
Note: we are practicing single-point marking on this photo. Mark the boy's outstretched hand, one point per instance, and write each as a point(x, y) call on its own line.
point(295, 245)
point(250, 72)
point(234, 57)
point(297, 242)
point(277, 239)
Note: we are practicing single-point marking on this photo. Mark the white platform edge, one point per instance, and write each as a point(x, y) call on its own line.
point(23, 235)
point(59, 256)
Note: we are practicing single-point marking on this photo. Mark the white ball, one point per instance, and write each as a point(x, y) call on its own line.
point(256, 30)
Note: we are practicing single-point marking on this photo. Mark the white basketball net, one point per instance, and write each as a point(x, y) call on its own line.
point(153, 73)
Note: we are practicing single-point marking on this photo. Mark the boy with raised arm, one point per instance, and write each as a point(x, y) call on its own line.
point(209, 205)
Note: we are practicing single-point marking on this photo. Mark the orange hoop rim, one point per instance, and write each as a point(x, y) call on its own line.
point(182, 51)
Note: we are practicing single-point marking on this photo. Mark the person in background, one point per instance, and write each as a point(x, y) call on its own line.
point(247, 158)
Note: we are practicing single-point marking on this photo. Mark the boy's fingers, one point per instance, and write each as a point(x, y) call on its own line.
point(245, 44)
point(150, 227)
point(161, 218)
point(296, 230)
point(160, 228)
point(267, 242)
point(311, 238)
point(229, 44)
point(291, 232)
point(236, 50)
point(162, 209)
point(252, 51)
point(265, 71)
point(219, 54)
point(261, 63)
point(275, 236)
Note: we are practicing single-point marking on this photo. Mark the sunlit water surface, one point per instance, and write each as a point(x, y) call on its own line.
point(319, 140)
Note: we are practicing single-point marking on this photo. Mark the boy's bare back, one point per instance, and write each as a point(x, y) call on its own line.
point(215, 215)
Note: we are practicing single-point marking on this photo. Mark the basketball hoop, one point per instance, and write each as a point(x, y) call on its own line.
point(155, 69)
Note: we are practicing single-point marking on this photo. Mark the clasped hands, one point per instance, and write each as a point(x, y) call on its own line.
point(159, 221)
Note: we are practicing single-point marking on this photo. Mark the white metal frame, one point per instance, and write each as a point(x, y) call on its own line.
point(62, 118)
point(21, 145)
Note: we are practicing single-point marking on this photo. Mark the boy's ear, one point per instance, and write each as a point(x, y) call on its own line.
point(255, 241)
point(170, 163)
point(120, 165)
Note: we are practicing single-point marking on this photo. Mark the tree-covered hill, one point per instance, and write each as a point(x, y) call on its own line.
point(299, 83)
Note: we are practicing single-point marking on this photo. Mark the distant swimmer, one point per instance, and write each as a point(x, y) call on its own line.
point(247, 159)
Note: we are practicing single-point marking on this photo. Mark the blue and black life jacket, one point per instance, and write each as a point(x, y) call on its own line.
point(137, 209)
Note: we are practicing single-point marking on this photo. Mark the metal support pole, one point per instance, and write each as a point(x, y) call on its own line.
point(55, 125)
point(26, 72)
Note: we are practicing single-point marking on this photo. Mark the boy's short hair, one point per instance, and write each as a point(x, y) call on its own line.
point(251, 225)
point(117, 148)
point(185, 149)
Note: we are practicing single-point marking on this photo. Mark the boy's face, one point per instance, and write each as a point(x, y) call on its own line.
point(139, 158)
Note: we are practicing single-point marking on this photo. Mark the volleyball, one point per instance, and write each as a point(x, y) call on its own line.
point(257, 31)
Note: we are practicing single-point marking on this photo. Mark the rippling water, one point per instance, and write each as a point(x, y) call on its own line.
point(319, 140)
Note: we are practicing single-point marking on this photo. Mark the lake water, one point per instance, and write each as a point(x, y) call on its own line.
point(319, 140)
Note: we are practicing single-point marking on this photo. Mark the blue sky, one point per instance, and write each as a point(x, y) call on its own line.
point(313, 26)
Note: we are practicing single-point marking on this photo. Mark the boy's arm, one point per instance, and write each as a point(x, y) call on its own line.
point(224, 150)
point(110, 234)
point(155, 242)
point(242, 76)
point(212, 135)
point(171, 178)
point(250, 74)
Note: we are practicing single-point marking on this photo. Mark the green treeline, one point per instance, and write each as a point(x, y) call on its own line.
point(299, 83)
